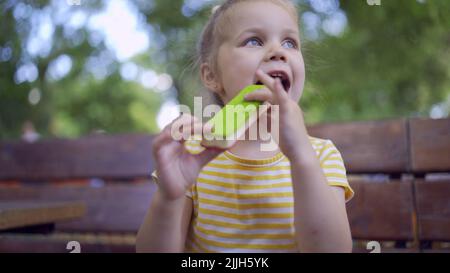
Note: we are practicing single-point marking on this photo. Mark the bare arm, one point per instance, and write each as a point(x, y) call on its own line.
point(165, 226)
point(167, 221)
point(320, 217)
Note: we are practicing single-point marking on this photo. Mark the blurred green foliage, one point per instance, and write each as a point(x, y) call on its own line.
point(390, 61)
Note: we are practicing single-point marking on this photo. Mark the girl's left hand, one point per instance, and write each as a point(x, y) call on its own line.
point(293, 138)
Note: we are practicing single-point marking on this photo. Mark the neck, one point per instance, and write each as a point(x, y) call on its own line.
point(258, 148)
point(252, 149)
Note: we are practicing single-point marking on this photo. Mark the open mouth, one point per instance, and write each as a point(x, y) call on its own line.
point(283, 78)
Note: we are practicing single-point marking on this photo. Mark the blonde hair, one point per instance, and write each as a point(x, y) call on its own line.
point(213, 33)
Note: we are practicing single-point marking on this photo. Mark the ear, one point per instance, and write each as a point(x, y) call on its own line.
point(209, 79)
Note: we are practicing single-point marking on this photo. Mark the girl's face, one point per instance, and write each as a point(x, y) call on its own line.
point(262, 35)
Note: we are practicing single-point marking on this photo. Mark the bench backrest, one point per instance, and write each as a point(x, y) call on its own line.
point(404, 207)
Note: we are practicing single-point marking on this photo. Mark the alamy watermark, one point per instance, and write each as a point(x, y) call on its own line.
point(374, 246)
point(74, 247)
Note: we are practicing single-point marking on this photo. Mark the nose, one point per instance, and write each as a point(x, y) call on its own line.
point(276, 53)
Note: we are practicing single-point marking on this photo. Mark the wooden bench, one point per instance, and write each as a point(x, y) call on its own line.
point(401, 202)
point(36, 216)
point(397, 168)
point(108, 173)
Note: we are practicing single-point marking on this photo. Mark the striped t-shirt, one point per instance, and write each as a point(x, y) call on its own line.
point(246, 205)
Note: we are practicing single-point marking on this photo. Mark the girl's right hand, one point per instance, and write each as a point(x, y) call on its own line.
point(177, 169)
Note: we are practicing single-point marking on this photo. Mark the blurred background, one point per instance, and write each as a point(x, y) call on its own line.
point(69, 68)
point(115, 71)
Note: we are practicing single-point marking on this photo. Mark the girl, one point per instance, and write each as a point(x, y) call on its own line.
point(245, 199)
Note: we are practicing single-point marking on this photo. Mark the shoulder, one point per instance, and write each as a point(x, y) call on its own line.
point(332, 164)
point(323, 146)
point(318, 142)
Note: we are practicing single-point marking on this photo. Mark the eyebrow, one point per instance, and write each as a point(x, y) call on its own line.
point(259, 30)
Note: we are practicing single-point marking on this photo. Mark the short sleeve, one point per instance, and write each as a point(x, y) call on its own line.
point(334, 169)
point(189, 192)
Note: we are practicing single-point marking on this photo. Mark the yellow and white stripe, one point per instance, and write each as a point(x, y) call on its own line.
point(246, 205)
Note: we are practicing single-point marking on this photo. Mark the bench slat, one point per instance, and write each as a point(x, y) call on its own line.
point(115, 157)
point(430, 145)
point(381, 211)
point(433, 210)
point(43, 244)
point(19, 214)
point(369, 147)
point(111, 208)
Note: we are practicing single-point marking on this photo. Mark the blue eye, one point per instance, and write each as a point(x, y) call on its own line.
point(290, 44)
point(253, 42)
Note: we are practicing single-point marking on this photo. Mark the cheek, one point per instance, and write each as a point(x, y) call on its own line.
point(300, 80)
point(240, 67)
point(236, 70)
point(301, 68)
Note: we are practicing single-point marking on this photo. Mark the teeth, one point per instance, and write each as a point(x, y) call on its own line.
point(281, 76)
point(277, 75)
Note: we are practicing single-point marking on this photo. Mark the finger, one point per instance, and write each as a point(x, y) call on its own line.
point(187, 131)
point(281, 95)
point(260, 95)
point(176, 127)
point(170, 132)
point(164, 138)
point(267, 80)
point(169, 137)
point(271, 84)
point(191, 130)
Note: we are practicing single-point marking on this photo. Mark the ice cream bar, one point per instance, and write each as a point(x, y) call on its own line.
point(233, 120)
